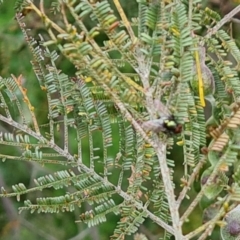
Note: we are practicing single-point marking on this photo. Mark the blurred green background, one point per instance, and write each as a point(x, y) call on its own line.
point(15, 59)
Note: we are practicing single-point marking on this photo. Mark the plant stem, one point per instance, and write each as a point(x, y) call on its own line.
point(225, 19)
point(196, 170)
point(168, 186)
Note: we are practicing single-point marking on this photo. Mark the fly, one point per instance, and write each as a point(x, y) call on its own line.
point(166, 123)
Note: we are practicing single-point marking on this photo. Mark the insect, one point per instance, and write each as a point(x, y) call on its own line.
point(166, 123)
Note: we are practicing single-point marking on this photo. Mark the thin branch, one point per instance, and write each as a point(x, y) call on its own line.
point(46, 20)
point(201, 193)
point(207, 232)
point(168, 187)
point(184, 191)
point(82, 234)
point(213, 221)
point(23, 90)
point(7, 204)
point(235, 20)
point(125, 20)
point(226, 19)
point(13, 216)
point(37, 230)
point(41, 6)
point(64, 15)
